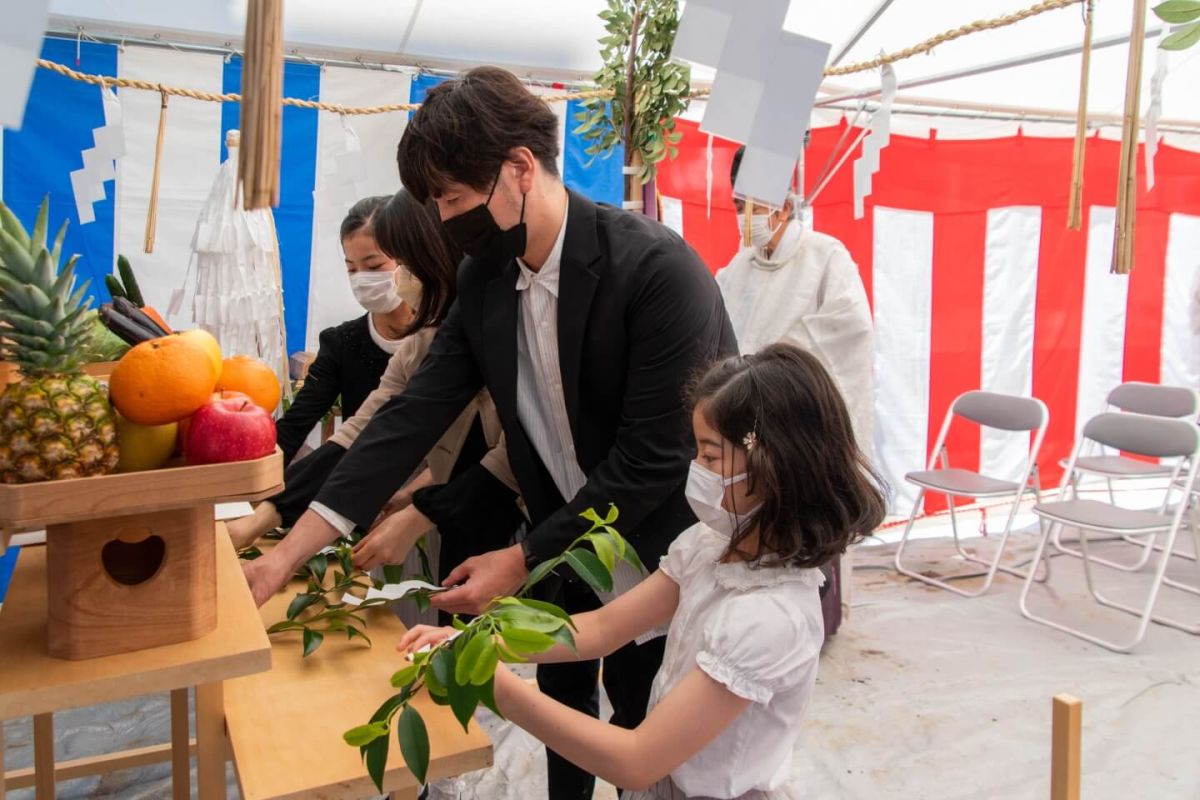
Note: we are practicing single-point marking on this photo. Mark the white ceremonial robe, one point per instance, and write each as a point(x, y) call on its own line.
point(808, 294)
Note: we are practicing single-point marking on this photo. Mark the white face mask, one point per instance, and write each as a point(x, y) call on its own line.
point(407, 287)
point(705, 493)
point(375, 291)
point(761, 231)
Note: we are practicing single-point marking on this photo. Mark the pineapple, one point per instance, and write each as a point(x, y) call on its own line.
point(56, 422)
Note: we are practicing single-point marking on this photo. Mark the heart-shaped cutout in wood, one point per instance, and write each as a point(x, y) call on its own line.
point(133, 557)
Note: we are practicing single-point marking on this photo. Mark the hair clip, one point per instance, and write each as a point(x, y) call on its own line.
point(749, 441)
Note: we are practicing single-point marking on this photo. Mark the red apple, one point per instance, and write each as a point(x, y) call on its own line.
point(229, 429)
point(186, 421)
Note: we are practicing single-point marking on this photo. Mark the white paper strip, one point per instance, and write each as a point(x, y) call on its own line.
point(763, 91)
point(1154, 109)
point(20, 37)
point(708, 177)
point(392, 591)
point(98, 161)
point(877, 139)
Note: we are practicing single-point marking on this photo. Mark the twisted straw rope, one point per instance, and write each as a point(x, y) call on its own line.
point(133, 83)
point(862, 66)
point(957, 33)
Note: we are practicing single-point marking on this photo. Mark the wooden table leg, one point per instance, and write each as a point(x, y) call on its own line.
point(210, 741)
point(181, 757)
point(43, 756)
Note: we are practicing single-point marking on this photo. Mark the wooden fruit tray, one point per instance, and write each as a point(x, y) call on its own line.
point(34, 505)
point(131, 558)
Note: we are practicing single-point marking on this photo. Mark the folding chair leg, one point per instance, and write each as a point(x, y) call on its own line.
point(991, 575)
point(1146, 613)
point(1023, 602)
point(969, 556)
point(1147, 547)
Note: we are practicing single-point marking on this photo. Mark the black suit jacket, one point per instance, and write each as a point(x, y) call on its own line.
point(348, 365)
point(638, 315)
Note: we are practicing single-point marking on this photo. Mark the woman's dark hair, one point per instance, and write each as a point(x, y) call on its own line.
point(361, 216)
point(819, 492)
point(411, 232)
point(465, 129)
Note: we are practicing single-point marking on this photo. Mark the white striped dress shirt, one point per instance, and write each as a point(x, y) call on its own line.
point(541, 403)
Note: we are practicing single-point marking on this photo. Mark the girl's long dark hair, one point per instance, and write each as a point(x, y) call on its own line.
point(819, 493)
point(411, 232)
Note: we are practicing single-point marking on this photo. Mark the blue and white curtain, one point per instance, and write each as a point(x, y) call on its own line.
point(37, 161)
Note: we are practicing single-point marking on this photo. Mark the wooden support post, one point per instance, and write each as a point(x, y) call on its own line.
point(181, 751)
point(210, 741)
point(96, 765)
point(43, 756)
point(1065, 748)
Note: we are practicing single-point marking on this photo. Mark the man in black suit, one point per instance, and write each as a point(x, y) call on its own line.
point(585, 323)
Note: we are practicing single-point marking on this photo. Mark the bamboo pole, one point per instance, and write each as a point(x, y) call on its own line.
point(262, 108)
point(152, 210)
point(1075, 204)
point(1123, 236)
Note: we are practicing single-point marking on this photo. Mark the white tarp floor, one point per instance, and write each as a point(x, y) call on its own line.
point(922, 694)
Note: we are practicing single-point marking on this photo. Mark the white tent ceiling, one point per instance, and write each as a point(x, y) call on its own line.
point(555, 40)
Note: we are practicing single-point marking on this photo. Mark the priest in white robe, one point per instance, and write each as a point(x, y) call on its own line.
point(802, 287)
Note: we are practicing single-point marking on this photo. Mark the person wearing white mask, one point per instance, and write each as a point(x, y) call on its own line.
point(353, 355)
point(739, 591)
point(403, 268)
point(802, 287)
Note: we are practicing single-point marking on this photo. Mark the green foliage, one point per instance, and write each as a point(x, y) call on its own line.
point(649, 90)
point(1180, 12)
point(319, 609)
point(460, 672)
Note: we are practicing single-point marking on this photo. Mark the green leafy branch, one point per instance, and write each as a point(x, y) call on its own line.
point(319, 609)
point(460, 672)
point(1180, 12)
point(649, 89)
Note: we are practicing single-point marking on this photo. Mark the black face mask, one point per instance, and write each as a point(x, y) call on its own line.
point(477, 233)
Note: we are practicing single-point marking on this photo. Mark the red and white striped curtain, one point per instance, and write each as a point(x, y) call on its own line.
point(975, 281)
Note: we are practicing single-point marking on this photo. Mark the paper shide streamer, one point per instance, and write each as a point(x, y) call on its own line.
point(99, 165)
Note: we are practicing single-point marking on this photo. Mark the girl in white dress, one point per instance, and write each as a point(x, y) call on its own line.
point(780, 489)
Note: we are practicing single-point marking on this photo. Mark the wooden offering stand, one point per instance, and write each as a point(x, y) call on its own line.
point(130, 557)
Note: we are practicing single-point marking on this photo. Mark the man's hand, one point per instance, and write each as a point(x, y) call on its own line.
point(390, 540)
point(494, 574)
point(266, 576)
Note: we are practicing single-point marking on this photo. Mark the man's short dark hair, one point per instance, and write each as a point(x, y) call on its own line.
point(466, 128)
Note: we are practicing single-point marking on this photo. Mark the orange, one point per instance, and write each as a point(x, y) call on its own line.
point(207, 341)
point(162, 380)
point(250, 377)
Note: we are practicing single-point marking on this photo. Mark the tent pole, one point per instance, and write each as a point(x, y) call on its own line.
point(982, 69)
point(865, 26)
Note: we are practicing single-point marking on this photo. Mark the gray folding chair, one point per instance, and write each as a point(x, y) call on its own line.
point(1155, 437)
point(1150, 399)
point(989, 410)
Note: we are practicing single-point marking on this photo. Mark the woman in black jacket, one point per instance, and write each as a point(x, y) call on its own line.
point(352, 356)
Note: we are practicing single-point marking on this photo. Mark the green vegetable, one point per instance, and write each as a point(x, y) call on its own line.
point(105, 345)
point(132, 291)
point(114, 286)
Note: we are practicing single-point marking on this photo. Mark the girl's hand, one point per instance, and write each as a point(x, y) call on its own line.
point(423, 635)
point(390, 540)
